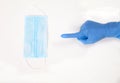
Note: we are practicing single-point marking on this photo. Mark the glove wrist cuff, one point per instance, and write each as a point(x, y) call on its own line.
point(112, 29)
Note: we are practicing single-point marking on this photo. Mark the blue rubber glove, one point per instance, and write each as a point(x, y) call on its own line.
point(91, 32)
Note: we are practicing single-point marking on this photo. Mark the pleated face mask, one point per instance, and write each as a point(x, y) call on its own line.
point(35, 40)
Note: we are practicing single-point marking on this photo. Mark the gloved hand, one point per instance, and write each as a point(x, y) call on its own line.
point(92, 32)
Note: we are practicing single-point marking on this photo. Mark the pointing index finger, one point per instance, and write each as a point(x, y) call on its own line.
point(70, 35)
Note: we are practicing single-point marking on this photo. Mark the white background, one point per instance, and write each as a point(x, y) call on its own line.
point(64, 16)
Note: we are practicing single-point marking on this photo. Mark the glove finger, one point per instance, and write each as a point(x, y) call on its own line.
point(86, 42)
point(83, 39)
point(118, 36)
point(89, 40)
point(70, 35)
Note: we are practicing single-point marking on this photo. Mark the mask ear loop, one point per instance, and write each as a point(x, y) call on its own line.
point(45, 59)
point(40, 10)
